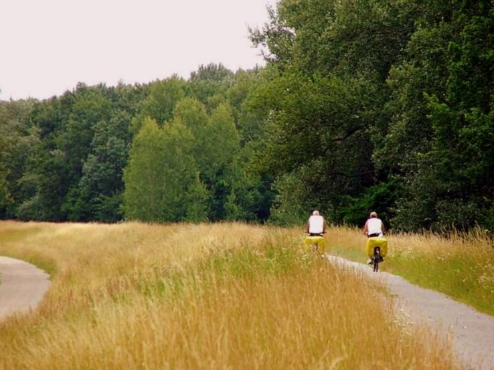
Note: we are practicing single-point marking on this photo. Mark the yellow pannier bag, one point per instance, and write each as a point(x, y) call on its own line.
point(316, 243)
point(376, 242)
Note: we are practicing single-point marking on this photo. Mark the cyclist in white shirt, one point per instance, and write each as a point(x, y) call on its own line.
point(316, 225)
point(373, 226)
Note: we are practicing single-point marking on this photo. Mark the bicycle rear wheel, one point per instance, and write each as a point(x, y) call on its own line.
point(376, 265)
point(376, 258)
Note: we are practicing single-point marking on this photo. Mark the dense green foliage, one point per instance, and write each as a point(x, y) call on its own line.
point(172, 150)
point(383, 105)
point(371, 105)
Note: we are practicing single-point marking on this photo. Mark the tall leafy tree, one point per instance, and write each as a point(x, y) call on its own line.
point(160, 102)
point(143, 196)
point(99, 191)
point(216, 143)
point(17, 136)
point(90, 107)
point(210, 83)
point(192, 113)
point(327, 102)
point(463, 122)
point(197, 201)
point(160, 171)
point(47, 179)
point(440, 135)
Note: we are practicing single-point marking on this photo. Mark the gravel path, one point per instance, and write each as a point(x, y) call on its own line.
point(472, 332)
point(22, 286)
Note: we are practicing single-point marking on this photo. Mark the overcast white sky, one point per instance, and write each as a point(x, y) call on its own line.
point(48, 46)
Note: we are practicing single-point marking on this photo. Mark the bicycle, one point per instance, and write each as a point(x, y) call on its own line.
point(315, 243)
point(376, 259)
point(376, 248)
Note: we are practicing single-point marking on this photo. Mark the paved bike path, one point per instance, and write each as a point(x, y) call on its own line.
point(22, 286)
point(471, 331)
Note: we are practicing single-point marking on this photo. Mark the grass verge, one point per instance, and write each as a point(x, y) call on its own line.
point(461, 266)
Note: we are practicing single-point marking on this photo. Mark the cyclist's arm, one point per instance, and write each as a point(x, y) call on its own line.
point(366, 228)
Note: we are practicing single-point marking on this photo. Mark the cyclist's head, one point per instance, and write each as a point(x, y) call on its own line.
point(315, 213)
point(373, 215)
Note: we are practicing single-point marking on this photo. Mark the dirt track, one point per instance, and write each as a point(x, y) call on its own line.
point(22, 286)
point(472, 332)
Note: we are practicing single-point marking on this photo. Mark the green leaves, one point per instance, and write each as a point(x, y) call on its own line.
point(174, 171)
point(159, 172)
point(160, 103)
point(443, 130)
point(378, 93)
point(63, 158)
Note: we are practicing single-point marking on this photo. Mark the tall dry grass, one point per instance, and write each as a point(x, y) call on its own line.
point(459, 265)
point(226, 296)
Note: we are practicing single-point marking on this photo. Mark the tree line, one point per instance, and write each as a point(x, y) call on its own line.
point(169, 151)
point(383, 105)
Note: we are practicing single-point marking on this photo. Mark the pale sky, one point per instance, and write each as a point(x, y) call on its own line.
point(48, 46)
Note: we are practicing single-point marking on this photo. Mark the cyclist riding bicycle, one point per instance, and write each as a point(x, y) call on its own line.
point(316, 228)
point(373, 228)
point(316, 224)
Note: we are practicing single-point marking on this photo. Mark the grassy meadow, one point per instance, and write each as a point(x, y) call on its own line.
point(222, 296)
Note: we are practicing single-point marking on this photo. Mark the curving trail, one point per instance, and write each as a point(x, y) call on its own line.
point(472, 332)
point(22, 286)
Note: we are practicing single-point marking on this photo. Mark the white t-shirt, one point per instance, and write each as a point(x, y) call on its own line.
point(374, 226)
point(316, 224)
